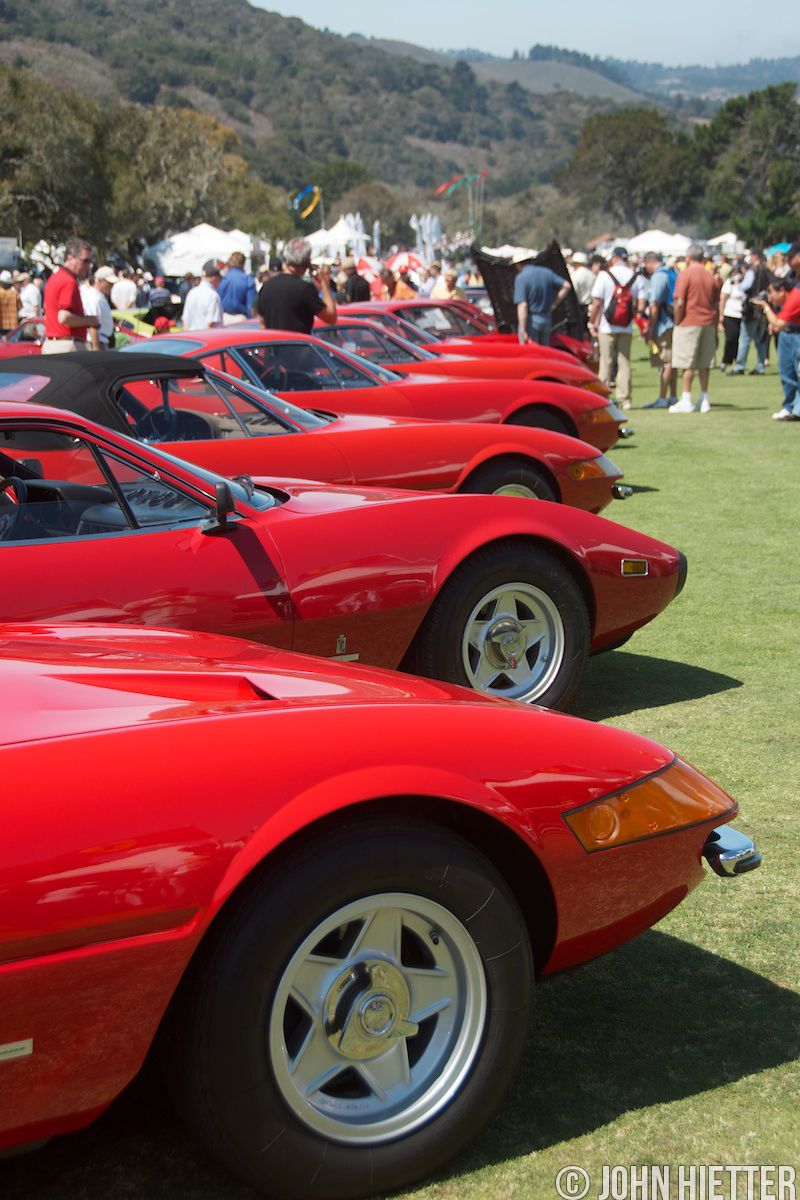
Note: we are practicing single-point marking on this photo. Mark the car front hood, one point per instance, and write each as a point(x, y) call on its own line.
point(305, 495)
point(59, 680)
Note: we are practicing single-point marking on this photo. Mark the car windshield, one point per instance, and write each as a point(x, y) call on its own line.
point(243, 491)
point(205, 406)
point(373, 345)
point(382, 373)
point(157, 345)
point(403, 329)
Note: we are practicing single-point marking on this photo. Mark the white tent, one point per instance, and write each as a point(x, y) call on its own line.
point(508, 251)
point(726, 243)
point(187, 251)
point(655, 240)
point(341, 237)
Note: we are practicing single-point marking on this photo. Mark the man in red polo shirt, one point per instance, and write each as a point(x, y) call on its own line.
point(784, 295)
point(65, 322)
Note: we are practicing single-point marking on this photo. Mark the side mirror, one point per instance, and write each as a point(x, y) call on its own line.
point(223, 508)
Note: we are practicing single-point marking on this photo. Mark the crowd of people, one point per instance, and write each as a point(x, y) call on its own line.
point(683, 309)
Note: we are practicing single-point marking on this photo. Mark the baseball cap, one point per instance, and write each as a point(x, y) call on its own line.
point(580, 258)
point(210, 268)
point(105, 275)
point(6, 277)
point(159, 281)
point(619, 252)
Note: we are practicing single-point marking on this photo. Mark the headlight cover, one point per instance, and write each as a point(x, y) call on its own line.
point(676, 797)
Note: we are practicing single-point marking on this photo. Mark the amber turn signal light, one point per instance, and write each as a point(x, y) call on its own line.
point(590, 469)
point(675, 798)
point(634, 566)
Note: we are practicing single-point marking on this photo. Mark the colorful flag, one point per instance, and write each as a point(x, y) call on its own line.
point(306, 201)
point(444, 188)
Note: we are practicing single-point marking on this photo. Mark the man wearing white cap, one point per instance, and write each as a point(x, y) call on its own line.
point(95, 299)
point(9, 303)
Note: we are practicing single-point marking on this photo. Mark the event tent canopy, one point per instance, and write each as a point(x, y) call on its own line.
point(672, 244)
point(187, 251)
point(346, 235)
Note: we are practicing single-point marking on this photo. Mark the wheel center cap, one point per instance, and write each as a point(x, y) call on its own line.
point(377, 1015)
point(367, 1008)
point(506, 643)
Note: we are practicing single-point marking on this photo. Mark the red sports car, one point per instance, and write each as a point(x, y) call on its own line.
point(436, 326)
point(26, 339)
point(506, 596)
point(379, 343)
point(321, 892)
point(302, 367)
point(232, 428)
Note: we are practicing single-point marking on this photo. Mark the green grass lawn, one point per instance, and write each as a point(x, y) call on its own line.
point(682, 1047)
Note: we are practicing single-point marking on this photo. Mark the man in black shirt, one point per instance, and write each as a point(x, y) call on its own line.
point(288, 301)
point(356, 289)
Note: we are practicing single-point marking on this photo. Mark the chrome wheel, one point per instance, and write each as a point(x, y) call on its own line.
point(515, 489)
point(513, 642)
point(377, 1018)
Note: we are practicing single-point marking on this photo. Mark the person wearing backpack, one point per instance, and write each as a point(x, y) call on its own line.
point(694, 342)
point(611, 320)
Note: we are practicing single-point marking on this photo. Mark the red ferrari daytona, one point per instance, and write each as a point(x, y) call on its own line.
point(495, 592)
point(300, 877)
point(304, 367)
point(233, 427)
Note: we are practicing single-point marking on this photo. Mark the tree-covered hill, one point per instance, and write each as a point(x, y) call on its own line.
point(297, 97)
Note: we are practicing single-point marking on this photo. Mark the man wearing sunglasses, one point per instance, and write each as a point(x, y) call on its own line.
point(65, 322)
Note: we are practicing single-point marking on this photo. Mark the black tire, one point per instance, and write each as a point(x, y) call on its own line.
point(510, 478)
point(538, 417)
point(547, 592)
point(220, 1054)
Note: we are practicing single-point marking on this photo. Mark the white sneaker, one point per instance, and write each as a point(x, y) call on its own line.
point(705, 405)
point(784, 414)
point(682, 406)
point(623, 403)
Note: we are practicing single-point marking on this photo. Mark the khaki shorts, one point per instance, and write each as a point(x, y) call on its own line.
point(661, 350)
point(62, 345)
point(694, 347)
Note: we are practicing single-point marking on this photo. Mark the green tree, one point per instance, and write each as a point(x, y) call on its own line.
point(52, 175)
point(237, 200)
point(163, 163)
point(625, 165)
point(337, 176)
point(748, 161)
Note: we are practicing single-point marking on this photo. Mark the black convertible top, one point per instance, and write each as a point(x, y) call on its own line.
point(85, 382)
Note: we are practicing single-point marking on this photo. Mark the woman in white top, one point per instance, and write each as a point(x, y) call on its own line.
point(731, 301)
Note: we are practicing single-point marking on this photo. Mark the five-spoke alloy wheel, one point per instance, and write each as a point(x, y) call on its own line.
point(356, 1017)
point(511, 622)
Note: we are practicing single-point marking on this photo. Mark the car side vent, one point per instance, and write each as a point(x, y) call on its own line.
point(210, 687)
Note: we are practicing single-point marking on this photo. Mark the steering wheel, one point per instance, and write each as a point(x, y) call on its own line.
point(11, 507)
point(160, 424)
